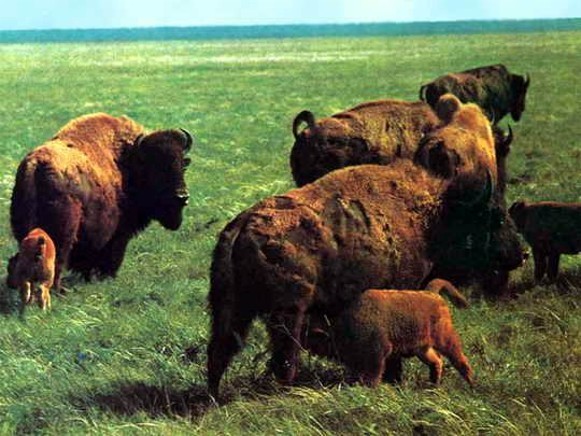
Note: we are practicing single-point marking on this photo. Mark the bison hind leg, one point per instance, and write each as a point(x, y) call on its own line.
point(393, 372)
point(225, 342)
point(431, 358)
point(553, 267)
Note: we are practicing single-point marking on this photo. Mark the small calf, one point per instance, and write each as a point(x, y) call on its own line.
point(383, 326)
point(34, 264)
point(551, 229)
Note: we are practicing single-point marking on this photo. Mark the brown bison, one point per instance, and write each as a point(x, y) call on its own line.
point(96, 184)
point(374, 333)
point(376, 132)
point(34, 264)
point(551, 229)
point(493, 88)
point(320, 246)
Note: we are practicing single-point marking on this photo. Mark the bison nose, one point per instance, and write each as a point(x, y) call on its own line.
point(182, 198)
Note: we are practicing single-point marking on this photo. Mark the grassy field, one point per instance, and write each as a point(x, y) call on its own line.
point(127, 356)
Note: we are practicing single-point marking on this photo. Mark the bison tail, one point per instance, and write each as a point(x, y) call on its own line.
point(440, 286)
point(303, 117)
point(23, 206)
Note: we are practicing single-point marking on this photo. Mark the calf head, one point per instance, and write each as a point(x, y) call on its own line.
point(157, 165)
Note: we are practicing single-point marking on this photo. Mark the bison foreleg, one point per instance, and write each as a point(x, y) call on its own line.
point(393, 370)
point(285, 331)
point(111, 256)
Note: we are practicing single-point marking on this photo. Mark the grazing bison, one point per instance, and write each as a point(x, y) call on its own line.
point(493, 88)
point(96, 184)
point(551, 229)
point(34, 264)
point(320, 246)
point(374, 333)
point(376, 132)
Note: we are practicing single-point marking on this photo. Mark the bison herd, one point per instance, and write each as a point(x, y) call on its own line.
point(392, 196)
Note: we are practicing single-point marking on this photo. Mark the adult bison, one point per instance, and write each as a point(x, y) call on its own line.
point(318, 247)
point(375, 132)
point(493, 88)
point(96, 184)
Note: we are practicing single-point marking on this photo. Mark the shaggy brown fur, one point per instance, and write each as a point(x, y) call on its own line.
point(551, 229)
point(320, 246)
point(375, 132)
point(99, 181)
point(493, 88)
point(374, 333)
point(34, 264)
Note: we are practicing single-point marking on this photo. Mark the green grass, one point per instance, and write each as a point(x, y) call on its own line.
point(110, 357)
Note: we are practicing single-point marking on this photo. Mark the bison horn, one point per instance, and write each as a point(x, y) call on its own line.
point(189, 139)
point(423, 92)
point(509, 137)
point(527, 80)
point(303, 117)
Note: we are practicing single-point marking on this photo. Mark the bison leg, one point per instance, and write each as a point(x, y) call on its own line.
point(431, 358)
point(285, 332)
point(25, 295)
point(540, 264)
point(393, 370)
point(111, 257)
point(453, 351)
point(44, 297)
point(553, 267)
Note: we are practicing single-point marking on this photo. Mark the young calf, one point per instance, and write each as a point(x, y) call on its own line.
point(34, 264)
point(551, 229)
point(372, 336)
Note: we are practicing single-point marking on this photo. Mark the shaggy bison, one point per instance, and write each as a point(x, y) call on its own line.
point(377, 330)
point(376, 132)
point(96, 184)
point(551, 229)
point(34, 264)
point(320, 246)
point(493, 88)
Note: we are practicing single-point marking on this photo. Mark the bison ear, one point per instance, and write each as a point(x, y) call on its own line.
point(447, 106)
point(516, 207)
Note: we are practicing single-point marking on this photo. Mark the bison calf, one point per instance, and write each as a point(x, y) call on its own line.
point(373, 334)
point(34, 264)
point(551, 229)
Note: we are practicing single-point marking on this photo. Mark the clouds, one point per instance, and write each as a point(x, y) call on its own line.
point(50, 14)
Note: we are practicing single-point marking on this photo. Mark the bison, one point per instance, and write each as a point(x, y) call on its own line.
point(551, 229)
point(320, 246)
point(375, 132)
point(96, 184)
point(34, 264)
point(374, 333)
point(493, 88)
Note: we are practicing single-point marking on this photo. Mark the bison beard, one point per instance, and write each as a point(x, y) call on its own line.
point(96, 184)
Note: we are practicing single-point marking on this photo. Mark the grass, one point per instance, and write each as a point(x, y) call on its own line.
point(127, 356)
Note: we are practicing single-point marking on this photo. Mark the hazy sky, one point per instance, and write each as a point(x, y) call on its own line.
point(64, 14)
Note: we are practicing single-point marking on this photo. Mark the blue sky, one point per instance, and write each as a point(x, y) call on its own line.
point(65, 14)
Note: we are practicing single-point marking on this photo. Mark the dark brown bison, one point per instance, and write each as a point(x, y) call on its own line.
point(318, 247)
point(374, 333)
point(493, 88)
point(96, 184)
point(376, 132)
point(551, 229)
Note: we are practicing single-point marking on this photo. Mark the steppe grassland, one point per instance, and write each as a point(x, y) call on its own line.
point(109, 357)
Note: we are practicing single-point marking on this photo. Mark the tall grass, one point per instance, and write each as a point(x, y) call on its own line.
point(127, 356)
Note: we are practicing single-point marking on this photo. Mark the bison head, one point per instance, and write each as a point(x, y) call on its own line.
point(519, 87)
point(157, 165)
point(325, 145)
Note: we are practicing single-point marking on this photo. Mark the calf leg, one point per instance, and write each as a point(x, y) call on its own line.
point(453, 352)
point(553, 269)
point(44, 297)
point(25, 295)
point(431, 358)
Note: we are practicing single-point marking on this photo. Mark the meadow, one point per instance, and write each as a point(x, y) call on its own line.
point(127, 356)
